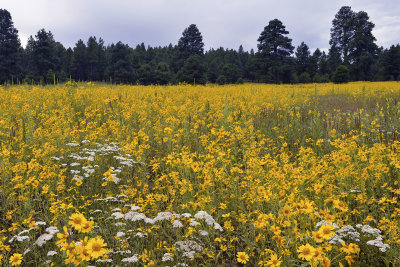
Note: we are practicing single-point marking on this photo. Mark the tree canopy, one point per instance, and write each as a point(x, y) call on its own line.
point(352, 44)
point(274, 46)
point(10, 48)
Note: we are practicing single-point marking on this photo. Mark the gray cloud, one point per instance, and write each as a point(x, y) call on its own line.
point(226, 23)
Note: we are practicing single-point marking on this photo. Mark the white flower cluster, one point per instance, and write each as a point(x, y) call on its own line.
point(166, 257)
point(355, 190)
point(21, 236)
point(177, 224)
point(323, 222)
point(189, 248)
point(50, 232)
point(109, 199)
point(376, 233)
point(167, 216)
point(348, 232)
point(127, 161)
point(51, 253)
point(209, 219)
point(88, 155)
point(132, 259)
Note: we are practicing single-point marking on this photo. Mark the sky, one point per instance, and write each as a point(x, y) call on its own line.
point(226, 23)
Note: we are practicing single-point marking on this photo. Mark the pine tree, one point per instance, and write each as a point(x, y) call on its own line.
point(79, 61)
point(275, 46)
point(362, 48)
point(390, 63)
point(10, 49)
point(353, 44)
point(191, 42)
point(120, 68)
point(193, 71)
point(96, 59)
point(145, 74)
point(302, 57)
point(342, 32)
point(162, 74)
point(44, 56)
point(341, 74)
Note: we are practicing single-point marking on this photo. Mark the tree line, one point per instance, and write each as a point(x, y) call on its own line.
point(353, 56)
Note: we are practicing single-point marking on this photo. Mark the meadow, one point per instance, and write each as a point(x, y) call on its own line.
point(256, 175)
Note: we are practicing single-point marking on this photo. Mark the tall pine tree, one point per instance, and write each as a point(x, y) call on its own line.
point(363, 51)
point(44, 55)
point(79, 61)
point(342, 32)
point(274, 46)
point(10, 48)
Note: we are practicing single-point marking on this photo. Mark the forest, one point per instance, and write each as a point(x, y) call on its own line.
point(353, 56)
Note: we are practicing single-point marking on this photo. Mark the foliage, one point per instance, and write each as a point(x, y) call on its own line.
point(193, 71)
point(221, 80)
point(10, 48)
point(304, 78)
point(341, 75)
point(351, 44)
point(120, 68)
point(274, 46)
point(162, 73)
point(191, 42)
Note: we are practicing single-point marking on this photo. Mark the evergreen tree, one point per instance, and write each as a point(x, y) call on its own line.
point(221, 80)
point(334, 59)
point(390, 63)
point(162, 74)
point(312, 65)
point(341, 74)
point(120, 67)
point(191, 42)
point(27, 59)
point(10, 48)
point(44, 56)
point(251, 67)
point(145, 74)
point(61, 62)
point(302, 57)
point(50, 76)
point(353, 43)
point(193, 71)
point(323, 66)
point(96, 59)
point(243, 57)
point(315, 63)
point(79, 61)
point(342, 32)
point(231, 72)
point(275, 46)
point(316, 78)
point(69, 53)
point(304, 78)
point(214, 69)
point(362, 48)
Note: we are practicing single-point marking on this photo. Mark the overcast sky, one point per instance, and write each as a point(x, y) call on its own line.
point(226, 23)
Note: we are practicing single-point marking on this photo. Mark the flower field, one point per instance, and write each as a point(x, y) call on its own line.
point(255, 175)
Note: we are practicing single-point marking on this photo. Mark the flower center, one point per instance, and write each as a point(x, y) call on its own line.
point(96, 247)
